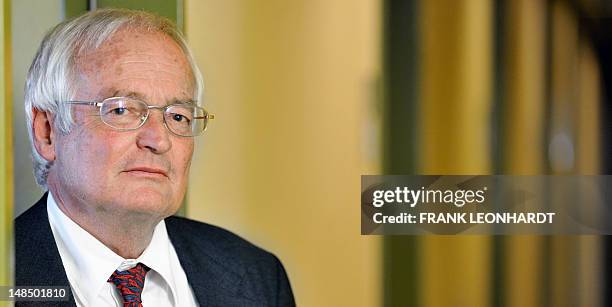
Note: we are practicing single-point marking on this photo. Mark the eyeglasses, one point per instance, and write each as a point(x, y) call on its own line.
point(125, 113)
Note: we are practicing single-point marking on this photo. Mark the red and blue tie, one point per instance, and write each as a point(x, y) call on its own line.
point(130, 283)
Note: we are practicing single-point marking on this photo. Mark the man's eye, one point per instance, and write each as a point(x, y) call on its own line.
point(180, 118)
point(118, 111)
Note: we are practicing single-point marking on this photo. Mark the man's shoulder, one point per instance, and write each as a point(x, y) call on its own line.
point(218, 243)
point(234, 265)
point(32, 219)
point(35, 249)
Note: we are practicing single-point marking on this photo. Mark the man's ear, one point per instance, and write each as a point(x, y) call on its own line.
point(43, 134)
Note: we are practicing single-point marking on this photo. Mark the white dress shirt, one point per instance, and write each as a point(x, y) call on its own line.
point(89, 264)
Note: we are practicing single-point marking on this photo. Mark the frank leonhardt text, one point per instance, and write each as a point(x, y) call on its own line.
point(465, 218)
point(404, 198)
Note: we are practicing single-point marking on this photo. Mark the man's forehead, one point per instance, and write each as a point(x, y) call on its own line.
point(137, 44)
point(130, 34)
point(129, 56)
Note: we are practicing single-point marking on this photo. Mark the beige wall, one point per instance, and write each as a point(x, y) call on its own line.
point(293, 86)
point(30, 21)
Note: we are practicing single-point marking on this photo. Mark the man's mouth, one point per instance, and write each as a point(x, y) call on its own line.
point(146, 171)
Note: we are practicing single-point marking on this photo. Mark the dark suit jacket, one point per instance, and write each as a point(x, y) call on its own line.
point(222, 268)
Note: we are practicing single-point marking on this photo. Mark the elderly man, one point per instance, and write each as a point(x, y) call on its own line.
point(112, 103)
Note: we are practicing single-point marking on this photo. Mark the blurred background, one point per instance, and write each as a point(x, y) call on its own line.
point(311, 94)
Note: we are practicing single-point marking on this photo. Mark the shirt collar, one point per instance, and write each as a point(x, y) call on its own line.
point(89, 263)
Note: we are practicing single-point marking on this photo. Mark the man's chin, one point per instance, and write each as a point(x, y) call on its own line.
point(146, 200)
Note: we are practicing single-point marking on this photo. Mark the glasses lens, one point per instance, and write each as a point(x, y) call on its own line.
point(185, 120)
point(123, 113)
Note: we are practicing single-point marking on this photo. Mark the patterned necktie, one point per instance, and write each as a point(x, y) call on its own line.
point(130, 283)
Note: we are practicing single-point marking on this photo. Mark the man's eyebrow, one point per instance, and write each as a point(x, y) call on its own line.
point(186, 101)
point(141, 96)
point(136, 95)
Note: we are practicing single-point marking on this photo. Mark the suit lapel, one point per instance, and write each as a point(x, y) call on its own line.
point(212, 283)
point(37, 260)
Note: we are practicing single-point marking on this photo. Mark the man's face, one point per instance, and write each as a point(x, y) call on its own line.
point(140, 171)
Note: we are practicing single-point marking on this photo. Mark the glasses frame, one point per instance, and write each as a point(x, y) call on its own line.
point(207, 116)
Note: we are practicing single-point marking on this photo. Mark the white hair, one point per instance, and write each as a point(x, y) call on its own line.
point(52, 76)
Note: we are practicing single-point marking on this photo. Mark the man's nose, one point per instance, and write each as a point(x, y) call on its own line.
point(153, 135)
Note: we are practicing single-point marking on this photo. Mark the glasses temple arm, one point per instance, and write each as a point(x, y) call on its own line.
point(82, 102)
point(210, 116)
